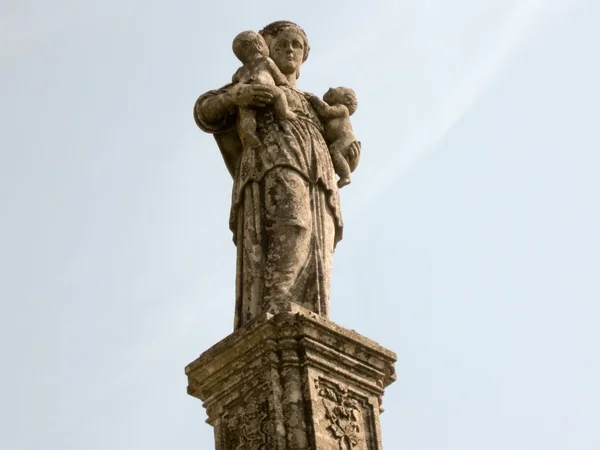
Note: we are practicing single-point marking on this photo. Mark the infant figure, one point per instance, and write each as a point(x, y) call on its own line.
point(335, 109)
point(252, 50)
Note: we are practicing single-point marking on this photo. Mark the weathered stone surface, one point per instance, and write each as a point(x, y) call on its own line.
point(334, 110)
point(283, 147)
point(293, 381)
point(287, 378)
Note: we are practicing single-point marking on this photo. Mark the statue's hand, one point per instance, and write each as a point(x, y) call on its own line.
point(250, 95)
point(315, 101)
point(353, 155)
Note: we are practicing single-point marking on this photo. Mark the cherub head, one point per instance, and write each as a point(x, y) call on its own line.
point(249, 45)
point(341, 96)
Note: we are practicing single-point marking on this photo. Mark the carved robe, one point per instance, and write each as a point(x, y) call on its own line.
point(285, 211)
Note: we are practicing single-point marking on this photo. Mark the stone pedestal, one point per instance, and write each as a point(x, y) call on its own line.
point(293, 381)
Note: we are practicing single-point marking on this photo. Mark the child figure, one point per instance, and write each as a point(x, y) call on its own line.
point(335, 109)
point(252, 50)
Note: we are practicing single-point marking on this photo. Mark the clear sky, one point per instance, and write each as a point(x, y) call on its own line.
point(471, 245)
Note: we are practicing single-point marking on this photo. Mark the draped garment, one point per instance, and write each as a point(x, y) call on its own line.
point(285, 212)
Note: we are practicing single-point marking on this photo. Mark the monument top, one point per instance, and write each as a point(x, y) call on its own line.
point(287, 378)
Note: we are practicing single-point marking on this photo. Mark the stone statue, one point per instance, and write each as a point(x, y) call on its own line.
point(335, 109)
point(251, 49)
point(285, 210)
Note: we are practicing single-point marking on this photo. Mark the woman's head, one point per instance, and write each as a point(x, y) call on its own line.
point(288, 45)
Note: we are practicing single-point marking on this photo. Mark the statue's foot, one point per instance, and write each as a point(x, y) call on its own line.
point(343, 182)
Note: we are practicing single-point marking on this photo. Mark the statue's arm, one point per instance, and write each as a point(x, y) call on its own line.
point(353, 155)
point(236, 76)
point(278, 77)
point(216, 111)
point(326, 111)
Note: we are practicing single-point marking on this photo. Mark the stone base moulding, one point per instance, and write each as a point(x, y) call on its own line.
point(293, 381)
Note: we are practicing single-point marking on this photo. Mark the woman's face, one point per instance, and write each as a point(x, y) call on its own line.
point(287, 51)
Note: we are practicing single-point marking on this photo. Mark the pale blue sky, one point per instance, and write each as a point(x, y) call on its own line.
point(471, 245)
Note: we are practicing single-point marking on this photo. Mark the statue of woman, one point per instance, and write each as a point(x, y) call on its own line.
point(285, 210)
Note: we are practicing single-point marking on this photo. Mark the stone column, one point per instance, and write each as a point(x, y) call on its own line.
point(293, 381)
